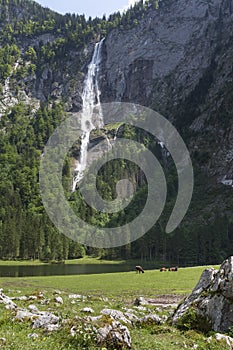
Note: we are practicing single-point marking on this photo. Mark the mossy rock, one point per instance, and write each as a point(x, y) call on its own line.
point(191, 320)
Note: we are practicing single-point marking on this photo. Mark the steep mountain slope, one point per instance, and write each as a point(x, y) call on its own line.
point(179, 61)
point(173, 56)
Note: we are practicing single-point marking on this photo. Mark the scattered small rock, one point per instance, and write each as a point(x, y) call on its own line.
point(24, 315)
point(57, 292)
point(88, 310)
point(48, 321)
point(140, 308)
point(73, 331)
point(131, 317)
point(151, 319)
point(93, 318)
point(44, 302)
point(221, 337)
point(22, 298)
point(76, 296)
point(33, 335)
point(140, 301)
point(33, 308)
point(116, 315)
point(3, 340)
point(58, 300)
point(10, 305)
point(115, 335)
point(40, 295)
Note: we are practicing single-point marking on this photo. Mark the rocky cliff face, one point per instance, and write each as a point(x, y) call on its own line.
point(178, 60)
point(170, 48)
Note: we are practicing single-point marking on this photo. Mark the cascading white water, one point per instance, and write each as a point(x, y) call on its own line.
point(92, 116)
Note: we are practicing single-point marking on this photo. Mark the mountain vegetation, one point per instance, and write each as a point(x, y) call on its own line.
point(43, 62)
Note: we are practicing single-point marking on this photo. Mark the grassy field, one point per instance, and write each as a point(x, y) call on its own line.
point(82, 261)
point(151, 283)
point(115, 291)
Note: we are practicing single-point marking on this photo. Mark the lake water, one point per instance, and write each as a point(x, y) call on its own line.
point(62, 270)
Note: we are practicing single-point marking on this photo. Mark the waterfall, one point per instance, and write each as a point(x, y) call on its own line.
point(92, 116)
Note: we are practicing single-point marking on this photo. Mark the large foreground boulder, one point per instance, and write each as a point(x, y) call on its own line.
point(211, 302)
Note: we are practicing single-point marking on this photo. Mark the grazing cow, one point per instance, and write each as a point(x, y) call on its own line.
point(139, 269)
point(173, 268)
point(163, 269)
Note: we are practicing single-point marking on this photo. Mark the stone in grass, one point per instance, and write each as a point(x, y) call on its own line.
point(222, 337)
point(10, 305)
point(22, 298)
point(33, 335)
point(116, 315)
point(88, 310)
point(44, 302)
point(93, 318)
point(24, 315)
point(40, 295)
point(76, 296)
point(58, 300)
point(52, 327)
point(140, 301)
point(140, 308)
point(48, 321)
point(114, 335)
point(57, 292)
point(131, 317)
point(3, 341)
point(73, 331)
point(155, 319)
point(33, 308)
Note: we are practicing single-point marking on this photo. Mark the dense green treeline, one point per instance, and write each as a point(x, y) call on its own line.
point(27, 233)
point(33, 20)
point(25, 230)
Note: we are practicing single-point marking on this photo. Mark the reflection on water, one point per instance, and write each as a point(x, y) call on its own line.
point(55, 270)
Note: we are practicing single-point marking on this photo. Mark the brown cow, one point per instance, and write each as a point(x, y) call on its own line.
point(163, 269)
point(173, 268)
point(139, 269)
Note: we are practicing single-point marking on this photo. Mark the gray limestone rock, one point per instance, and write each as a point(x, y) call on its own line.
point(115, 334)
point(155, 319)
point(88, 310)
point(7, 301)
point(58, 300)
point(116, 315)
point(47, 321)
point(212, 298)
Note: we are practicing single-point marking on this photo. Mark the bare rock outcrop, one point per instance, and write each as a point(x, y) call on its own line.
point(212, 298)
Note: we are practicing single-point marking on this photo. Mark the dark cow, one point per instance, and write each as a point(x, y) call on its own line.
point(139, 269)
point(163, 269)
point(173, 268)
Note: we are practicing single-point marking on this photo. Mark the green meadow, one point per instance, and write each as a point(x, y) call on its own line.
point(113, 290)
point(130, 284)
point(82, 261)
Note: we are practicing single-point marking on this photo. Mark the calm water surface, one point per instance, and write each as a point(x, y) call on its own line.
point(56, 270)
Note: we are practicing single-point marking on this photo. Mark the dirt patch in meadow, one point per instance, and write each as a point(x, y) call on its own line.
point(166, 300)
